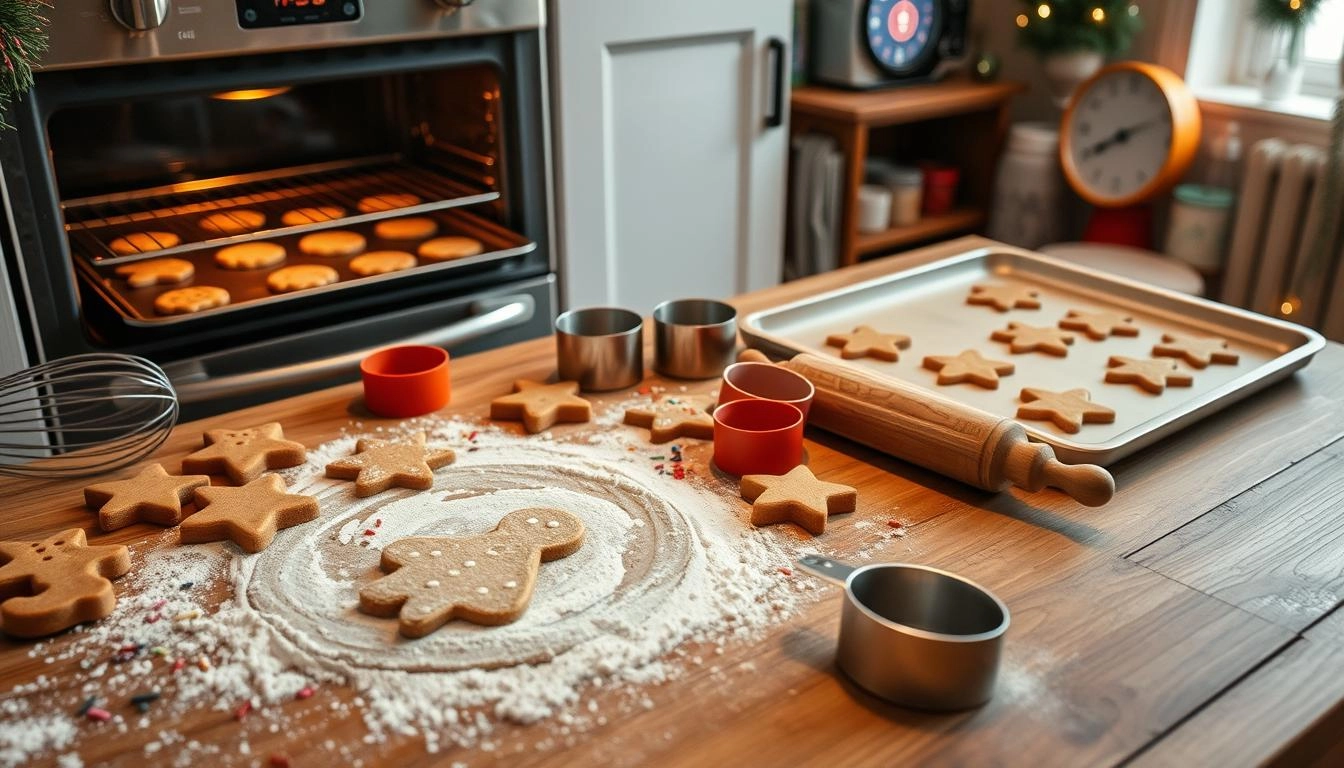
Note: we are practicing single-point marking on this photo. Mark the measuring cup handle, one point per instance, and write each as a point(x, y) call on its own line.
point(834, 571)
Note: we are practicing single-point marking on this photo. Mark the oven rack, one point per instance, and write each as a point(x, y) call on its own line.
point(92, 223)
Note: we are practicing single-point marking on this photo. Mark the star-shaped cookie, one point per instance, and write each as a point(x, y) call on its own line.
point(968, 366)
point(539, 405)
point(672, 416)
point(1030, 338)
point(56, 583)
point(797, 497)
point(1099, 325)
point(1152, 375)
point(867, 341)
point(380, 464)
point(1004, 297)
point(1196, 351)
point(1069, 409)
point(249, 516)
point(243, 454)
point(153, 496)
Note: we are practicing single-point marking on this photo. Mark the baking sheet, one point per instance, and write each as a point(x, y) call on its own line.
point(247, 288)
point(928, 304)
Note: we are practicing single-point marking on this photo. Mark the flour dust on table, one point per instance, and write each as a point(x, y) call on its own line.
point(668, 563)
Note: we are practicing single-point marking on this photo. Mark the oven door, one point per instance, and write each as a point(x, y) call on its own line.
point(103, 152)
point(221, 381)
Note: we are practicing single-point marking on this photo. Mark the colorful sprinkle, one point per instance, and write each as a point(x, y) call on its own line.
point(785, 571)
point(203, 662)
point(304, 692)
point(187, 615)
point(242, 710)
point(88, 704)
point(98, 713)
point(178, 664)
point(894, 523)
point(187, 585)
point(279, 761)
point(153, 618)
point(378, 523)
point(158, 604)
point(368, 532)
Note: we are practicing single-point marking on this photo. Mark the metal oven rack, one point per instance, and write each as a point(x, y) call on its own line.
point(94, 222)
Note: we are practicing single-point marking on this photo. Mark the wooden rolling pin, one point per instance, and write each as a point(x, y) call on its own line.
point(937, 433)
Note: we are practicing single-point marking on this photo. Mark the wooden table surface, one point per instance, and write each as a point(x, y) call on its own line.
point(1193, 620)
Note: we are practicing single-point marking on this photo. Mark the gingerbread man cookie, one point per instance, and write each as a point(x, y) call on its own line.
point(1069, 410)
point(1004, 297)
point(153, 496)
point(249, 516)
point(1151, 375)
point(1196, 351)
point(243, 454)
point(672, 416)
point(142, 274)
point(797, 497)
point(539, 406)
point(486, 579)
point(866, 341)
point(968, 366)
point(379, 464)
point(50, 585)
point(1024, 338)
point(1099, 325)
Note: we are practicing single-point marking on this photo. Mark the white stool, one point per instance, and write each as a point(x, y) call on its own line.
point(1133, 263)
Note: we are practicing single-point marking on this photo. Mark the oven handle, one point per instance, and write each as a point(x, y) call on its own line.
point(195, 385)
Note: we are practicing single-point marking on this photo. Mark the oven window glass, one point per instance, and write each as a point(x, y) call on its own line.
point(446, 120)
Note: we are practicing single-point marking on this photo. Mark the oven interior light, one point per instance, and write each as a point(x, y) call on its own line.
point(250, 94)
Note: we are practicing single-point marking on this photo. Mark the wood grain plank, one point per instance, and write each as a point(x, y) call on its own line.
point(905, 105)
point(1273, 551)
point(1260, 720)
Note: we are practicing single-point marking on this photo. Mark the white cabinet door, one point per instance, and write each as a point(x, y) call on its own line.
point(670, 147)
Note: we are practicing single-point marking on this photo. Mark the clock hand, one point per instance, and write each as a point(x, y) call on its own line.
point(1121, 136)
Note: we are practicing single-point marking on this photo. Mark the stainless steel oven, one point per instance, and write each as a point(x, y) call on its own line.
point(164, 133)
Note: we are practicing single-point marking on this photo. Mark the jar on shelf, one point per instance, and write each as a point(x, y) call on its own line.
point(1029, 189)
point(906, 185)
point(874, 208)
point(940, 188)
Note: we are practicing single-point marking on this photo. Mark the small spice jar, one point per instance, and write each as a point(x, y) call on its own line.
point(940, 188)
point(874, 208)
point(907, 194)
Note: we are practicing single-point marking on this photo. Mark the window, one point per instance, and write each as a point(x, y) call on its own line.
point(1324, 43)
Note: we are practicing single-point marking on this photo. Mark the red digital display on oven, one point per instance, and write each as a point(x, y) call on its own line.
point(254, 14)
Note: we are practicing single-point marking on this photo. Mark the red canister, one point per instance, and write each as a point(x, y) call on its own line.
point(940, 188)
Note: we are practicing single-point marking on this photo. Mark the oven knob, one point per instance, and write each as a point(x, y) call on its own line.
point(140, 14)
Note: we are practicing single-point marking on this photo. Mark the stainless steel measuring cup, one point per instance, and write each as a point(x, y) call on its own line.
point(914, 635)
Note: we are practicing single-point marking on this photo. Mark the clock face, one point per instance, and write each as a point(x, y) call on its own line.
point(901, 33)
point(1120, 137)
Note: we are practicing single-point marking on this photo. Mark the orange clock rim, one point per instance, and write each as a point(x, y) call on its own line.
point(1185, 134)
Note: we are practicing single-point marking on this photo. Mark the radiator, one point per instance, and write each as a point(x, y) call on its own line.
point(1278, 209)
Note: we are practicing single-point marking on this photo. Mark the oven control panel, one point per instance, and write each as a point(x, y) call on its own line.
point(254, 14)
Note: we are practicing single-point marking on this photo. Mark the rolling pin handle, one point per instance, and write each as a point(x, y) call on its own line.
point(752, 356)
point(1033, 466)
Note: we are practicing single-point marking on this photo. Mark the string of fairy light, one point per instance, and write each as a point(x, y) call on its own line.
point(1097, 13)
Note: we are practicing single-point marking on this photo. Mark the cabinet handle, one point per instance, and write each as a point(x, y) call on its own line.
point(775, 117)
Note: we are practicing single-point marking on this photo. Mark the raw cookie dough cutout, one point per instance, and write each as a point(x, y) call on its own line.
point(866, 341)
point(539, 406)
point(1151, 375)
point(969, 366)
point(797, 497)
point(1023, 338)
point(152, 496)
point(486, 579)
point(674, 416)
point(50, 585)
point(243, 454)
point(1099, 325)
point(1004, 297)
point(1196, 351)
point(1069, 409)
point(380, 464)
point(248, 516)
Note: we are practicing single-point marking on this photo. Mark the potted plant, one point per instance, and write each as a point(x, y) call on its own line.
point(1074, 38)
point(1290, 18)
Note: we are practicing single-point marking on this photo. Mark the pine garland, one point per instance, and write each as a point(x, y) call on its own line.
point(23, 39)
point(1065, 26)
point(1286, 13)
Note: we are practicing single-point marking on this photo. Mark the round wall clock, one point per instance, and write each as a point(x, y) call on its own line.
point(1129, 134)
point(902, 34)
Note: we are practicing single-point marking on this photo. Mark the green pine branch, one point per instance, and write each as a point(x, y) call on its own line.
point(23, 40)
point(1105, 26)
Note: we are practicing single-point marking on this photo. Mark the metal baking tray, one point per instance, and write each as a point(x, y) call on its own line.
point(928, 303)
point(247, 288)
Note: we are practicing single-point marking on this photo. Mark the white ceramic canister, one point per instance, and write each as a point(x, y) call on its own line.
point(1029, 194)
point(1197, 229)
point(874, 208)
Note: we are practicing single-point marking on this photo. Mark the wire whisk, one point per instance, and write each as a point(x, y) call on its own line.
point(83, 415)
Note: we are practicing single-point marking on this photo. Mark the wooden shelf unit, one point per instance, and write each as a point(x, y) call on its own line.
point(960, 122)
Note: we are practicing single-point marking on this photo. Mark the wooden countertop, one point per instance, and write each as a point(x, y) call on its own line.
point(1194, 619)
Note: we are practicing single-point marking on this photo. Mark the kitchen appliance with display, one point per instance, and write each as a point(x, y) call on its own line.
point(176, 129)
point(878, 43)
